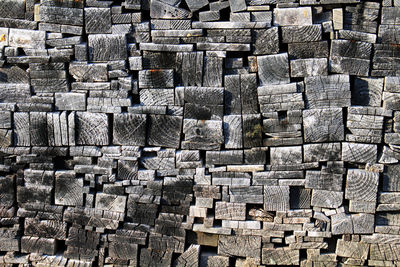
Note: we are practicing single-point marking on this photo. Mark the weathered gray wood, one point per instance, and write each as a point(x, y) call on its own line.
point(233, 131)
point(21, 130)
point(156, 97)
point(209, 16)
point(123, 250)
point(323, 125)
point(129, 129)
point(30, 244)
point(308, 67)
point(292, 16)
point(248, 93)
point(230, 25)
point(189, 258)
point(70, 101)
point(232, 95)
point(353, 49)
point(242, 246)
point(45, 228)
point(13, 74)
point(110, 202)
point(252, 130)
point(27, 38)
point(207, 135)
point(155, 258)
point(68, 189)
point(298, 34)
point(308, 50)
point(91, 128)
point(161, 10)
point(106, 47)
point(61, 15)
point(212, 73)
point(83, 72)
point(326, 199)
point(38, 128)
point(342, 224)
point(164, 130)
point(285, 155)
point(276, 198)
point(230, 211)
point(97, 20)
point(351, 249)
point(361, 185)
point(280, 256)
point(273, 69)
point(324, 181)
point(156, 78)
point(322, 152)
point(363, 223)
point(224, 157)
point(13, 9)
point(390, 178)
point(361, 153)
point(352, 66)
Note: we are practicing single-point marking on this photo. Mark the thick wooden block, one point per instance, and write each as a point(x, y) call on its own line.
point(273, 69)
point(97, 20)
point(276, 198)
point(68, 189)
point(129, 129)
point(308, 50)
point(323, 125)
point(232, 95)
point(200, 134)
point(70, 101)
point(106, 47)
point(61, 15)
point(233, 131)
point(326, 199)
point(45, 228)
point(347, 48)
point(156, 78)
point(91, 128)
point(27, 38)
point(350, 249)
point(361, 185)
point(21, 129)
point(30, 244)
point(280, 256)
point(300, 34)
point(266, 41)
point(164, 130)
point(361, 153)
point(110, 202)
point(230, 211)
point(162, 10)
point(324, 181)
point(123, 250)
point(242, 246)
point(83, 72)
point(391, 178)
point(252, 130)
point(322, 152)
point(286, 155)
point(308, 67)
point(155, 258)
point(292, 16)
point(212, 71)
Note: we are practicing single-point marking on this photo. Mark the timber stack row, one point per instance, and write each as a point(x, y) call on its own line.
point(199, 133)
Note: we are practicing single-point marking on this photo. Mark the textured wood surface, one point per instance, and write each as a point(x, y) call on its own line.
point(199, 133)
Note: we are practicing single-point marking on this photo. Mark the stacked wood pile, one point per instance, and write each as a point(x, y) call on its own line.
point(199, 132)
